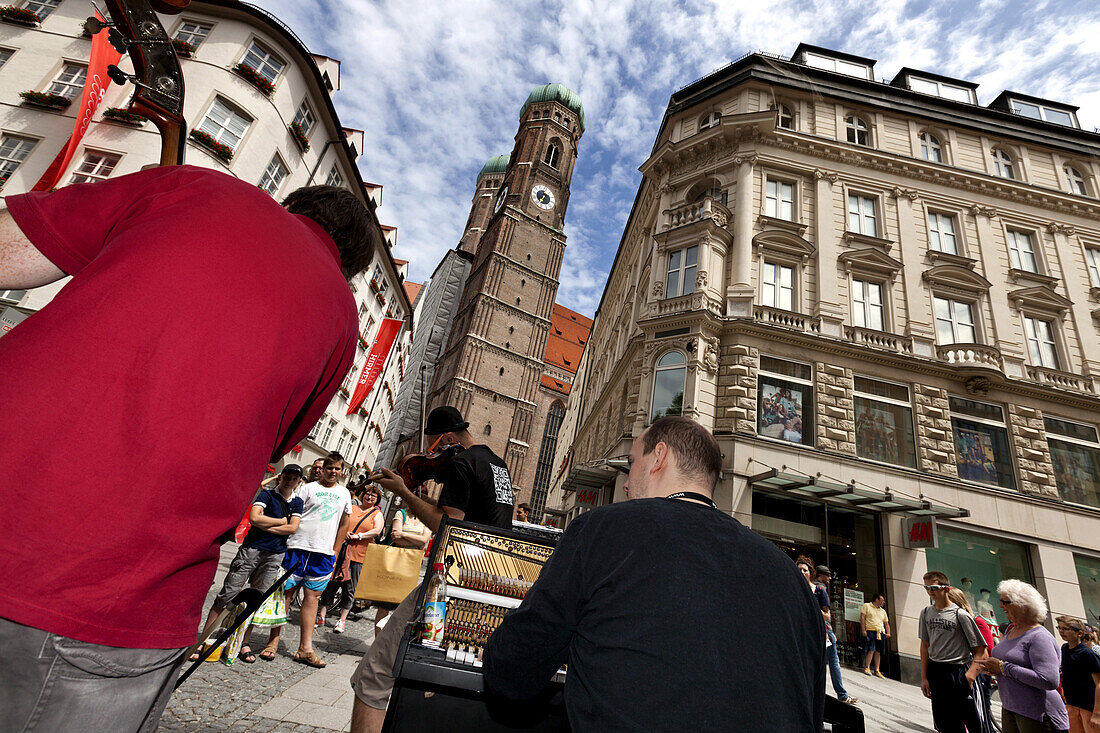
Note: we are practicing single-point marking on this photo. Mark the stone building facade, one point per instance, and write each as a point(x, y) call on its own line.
point(883, 299)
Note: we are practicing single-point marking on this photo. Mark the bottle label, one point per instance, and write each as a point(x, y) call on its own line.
point(433, 623)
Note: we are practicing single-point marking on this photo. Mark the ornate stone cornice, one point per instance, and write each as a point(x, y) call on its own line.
point(987, 211)
point(829, 176)
point(1057, 227)
point(908, 193)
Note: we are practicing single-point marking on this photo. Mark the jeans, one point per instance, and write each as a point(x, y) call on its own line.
point(833, 660)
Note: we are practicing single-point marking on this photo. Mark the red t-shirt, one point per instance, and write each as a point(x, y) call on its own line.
point(202, 335)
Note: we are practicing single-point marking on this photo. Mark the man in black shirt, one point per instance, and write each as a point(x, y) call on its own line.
point(478, 489)
point(671, 614)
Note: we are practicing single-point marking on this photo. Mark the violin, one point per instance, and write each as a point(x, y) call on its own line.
point(416, 468)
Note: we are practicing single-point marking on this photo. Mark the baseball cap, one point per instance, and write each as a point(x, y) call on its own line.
point(444, 419)
point(293, 468)
point(823, 570)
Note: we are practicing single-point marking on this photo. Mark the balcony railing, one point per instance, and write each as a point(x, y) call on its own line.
point(878, 339)
point(708, 208)
point(1056, 378)
point(698, 300)
point(971, 355)
point(786, 319)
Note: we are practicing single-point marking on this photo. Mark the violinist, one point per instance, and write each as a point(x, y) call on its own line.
point(476, 487)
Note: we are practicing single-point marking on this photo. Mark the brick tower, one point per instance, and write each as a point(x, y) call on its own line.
point(493, 362)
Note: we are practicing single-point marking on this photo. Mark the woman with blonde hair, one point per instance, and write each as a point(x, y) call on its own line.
point(1026, 664)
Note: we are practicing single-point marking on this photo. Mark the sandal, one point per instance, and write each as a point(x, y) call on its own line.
point(268, 654)
point(246, 656)
point(310, 659)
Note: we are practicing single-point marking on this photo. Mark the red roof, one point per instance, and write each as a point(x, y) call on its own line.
point(554, 384)
point(411, 289)
point(568, 334)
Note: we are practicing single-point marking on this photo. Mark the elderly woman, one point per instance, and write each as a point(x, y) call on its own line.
point(1026, 663)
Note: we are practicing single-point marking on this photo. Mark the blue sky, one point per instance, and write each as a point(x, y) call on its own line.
point(437, 87)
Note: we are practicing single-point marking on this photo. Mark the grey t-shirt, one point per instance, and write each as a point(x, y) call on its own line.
point(951, 634)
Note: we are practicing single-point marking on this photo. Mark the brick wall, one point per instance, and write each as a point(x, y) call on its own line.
point(1029, 438)
point(737, 389)
point(836, 420)
point(935, 444)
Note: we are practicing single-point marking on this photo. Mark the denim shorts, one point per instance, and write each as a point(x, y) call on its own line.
point(875, 641)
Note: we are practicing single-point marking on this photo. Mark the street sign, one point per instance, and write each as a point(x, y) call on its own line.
point(918, 532)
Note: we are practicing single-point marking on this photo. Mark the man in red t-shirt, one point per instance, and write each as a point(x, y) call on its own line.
point(174, 354)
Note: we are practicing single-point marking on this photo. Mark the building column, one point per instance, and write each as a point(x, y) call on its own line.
point(1056, 579)
point(739, 293)
point(1005, 337)
point(1080, 313)
point(918, 325)
point(829, 310)
point(904, 570)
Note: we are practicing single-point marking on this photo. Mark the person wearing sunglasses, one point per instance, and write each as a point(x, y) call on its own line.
point(1026, 664)
point(951, 647)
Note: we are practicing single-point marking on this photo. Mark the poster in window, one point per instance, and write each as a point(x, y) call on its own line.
point(1075, 472)
point(781, 412)
point(974, 451)
point(876, 433)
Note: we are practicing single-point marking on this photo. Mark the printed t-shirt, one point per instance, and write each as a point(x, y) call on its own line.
point(276, 507)
point(323, 508)
point(875, 617)
point(1079, 664)
point(479, 485)
point(357, 549)
point(951, 634)
point(176, 350)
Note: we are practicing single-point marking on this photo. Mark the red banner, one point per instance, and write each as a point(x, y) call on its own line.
point(95, 86)
point(376, 359)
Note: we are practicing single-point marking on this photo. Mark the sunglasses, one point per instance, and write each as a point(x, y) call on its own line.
point(933, 588)
point(1005, 603)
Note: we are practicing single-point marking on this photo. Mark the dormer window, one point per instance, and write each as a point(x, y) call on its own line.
point(710, 120)
point(857, 130)
point(841, 66)
point(930, 148)
point(1042, 112)
point(1002, 164)
point(940, 89)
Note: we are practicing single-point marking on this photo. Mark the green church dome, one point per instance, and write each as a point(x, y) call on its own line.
point(555, 93)
point(496, 164)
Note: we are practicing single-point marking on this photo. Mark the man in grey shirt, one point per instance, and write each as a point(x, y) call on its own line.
point(950, 647)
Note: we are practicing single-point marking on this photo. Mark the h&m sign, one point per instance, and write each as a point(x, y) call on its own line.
point(918, 532)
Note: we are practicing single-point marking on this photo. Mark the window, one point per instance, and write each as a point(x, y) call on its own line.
point(861, 215)
point(5, 54)
point(1040, 342)
point(786, 117)
point(779, 200)
point(69, 82)
point(778, 286)
point(553, 155)
point(884, 422)
point(316, 429)
point(192, 33)
point(941, 233)
point(1088, 578)
point(1002, 164)
point(1075, 453)
point(545, 467)
point(1075, 180)
point(328, 431)
point(263, 62)
point(274, 175)
point(838, 65)
point(368, 325)
point(930, 148)
point(785, 400)
point(334, 178)
point(41, 7)
point(344, 442)
point(1042, 112)
point(954, 322)
point(682, 264)
point(981, 442)
point(710, 120)
point(1021, 251)
point(95, 167)
point(940, 89)
point(304, 118)
point(13, 296)
point(857, 130)
point(1092, 257)
point(668, 386)
point(867, 308)
point(225, 124)
point(979, 563)
point(13, 151)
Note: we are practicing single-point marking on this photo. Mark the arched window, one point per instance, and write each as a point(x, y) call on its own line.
point(930, 148)
point(553, 155)
point(668, 386)
point(858, 131)
point(1002, 164)
point(786, 117)
point(1076, 180)
point(709, 120)
point(544, 468)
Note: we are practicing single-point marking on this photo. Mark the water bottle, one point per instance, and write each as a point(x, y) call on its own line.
point(435, 607)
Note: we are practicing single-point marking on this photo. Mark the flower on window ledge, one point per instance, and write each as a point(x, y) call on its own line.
point(45, 99)
point(254, 78)
point(299, 136)
point(183, 48)
point(344, 392)
point(19, 15)
point(124, 115)
point(207, 141)
point(381, 298)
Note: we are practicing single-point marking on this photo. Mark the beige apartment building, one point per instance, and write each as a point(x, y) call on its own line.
point(882, 297)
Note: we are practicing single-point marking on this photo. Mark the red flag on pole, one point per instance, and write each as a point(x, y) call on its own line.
point(95, 86)
point(387, 334)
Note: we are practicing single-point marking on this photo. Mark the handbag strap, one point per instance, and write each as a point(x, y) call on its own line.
point(364, 518)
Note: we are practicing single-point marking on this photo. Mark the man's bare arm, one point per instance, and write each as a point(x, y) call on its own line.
point(21, 265)
point(429, 514)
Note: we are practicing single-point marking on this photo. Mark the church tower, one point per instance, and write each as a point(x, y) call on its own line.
point(493, 363)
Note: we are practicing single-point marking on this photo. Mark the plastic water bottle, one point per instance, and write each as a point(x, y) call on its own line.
point(435, 607)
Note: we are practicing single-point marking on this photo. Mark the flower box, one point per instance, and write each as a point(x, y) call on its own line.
point(19, 16)
point(125, 116)
point(299, 136)
point(344, 393)
point(254, 78)
point(222, 151)
point(45, 99)
point(375, 286)
point(381, 298)
point(183, 48)
point(363, 342)
point(362, 411)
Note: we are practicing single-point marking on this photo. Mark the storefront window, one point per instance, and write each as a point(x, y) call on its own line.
point(1088, 575)
point(884, 422)
point(976, 564)
point(785, 399)
point(1075, 453)
point(981, 443)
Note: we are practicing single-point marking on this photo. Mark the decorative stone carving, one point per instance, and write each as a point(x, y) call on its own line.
point(826, 175)
point(701, 280)
point(658, 289)
point(710, 355)
point(1057, 227)
point(719, 218)
point(978, 386)
point(751, 159)
point(908, 193)
point(987, 211)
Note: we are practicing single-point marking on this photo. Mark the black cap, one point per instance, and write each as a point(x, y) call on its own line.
point(444, 419)
point(823, 570)
point(293, 468)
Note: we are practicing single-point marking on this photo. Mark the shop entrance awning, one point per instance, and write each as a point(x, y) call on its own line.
point(586, 477)
point(861, 499)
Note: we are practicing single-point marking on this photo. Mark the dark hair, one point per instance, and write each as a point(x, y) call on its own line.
point(876, 596)
point(525, 506)
point(937, 576)
point(344, 217)
point(697, 452)
point(332, 460)
point(336, 455)
point(804, 560)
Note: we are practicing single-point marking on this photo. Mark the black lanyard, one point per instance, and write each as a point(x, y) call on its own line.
point(693, 495)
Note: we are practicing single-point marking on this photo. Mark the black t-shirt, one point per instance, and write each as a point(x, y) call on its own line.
point(276, 507)
point(1079, 664)
point(479, 484)
point(672, 616)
